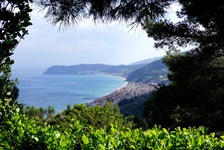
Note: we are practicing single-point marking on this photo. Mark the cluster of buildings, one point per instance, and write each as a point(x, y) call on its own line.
point(129, 91)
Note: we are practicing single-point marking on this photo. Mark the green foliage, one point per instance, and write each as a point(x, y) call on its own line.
point(21, 132)
point(95, 116)
point(134, 106)
point(156, 71)
point(49, 112)
point(42, 113)
point(194, 97)
point(14, 20)
point(33, 112)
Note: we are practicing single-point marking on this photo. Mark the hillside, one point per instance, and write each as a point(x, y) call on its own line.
point(146, 61)
point(153, 72)
point(134, 106)
point(120, 70)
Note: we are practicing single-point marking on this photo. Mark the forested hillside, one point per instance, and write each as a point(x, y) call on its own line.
point(134, 106)
point(156, 72)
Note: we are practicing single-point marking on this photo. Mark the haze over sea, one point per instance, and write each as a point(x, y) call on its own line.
point(61, 90)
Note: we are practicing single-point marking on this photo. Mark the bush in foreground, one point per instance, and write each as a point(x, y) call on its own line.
point(21, 132)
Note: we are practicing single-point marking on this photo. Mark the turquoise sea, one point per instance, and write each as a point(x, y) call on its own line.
point(61, 90)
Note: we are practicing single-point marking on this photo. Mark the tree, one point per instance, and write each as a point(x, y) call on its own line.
point(69, 12)
point(195, 95)
point(33, 112)
point(49, 112)
point(14, 19)
point(95, 116)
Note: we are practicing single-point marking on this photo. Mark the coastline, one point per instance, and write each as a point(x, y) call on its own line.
point(128, 91)
point(112, 74)
point(126, 83)
point(115, 75)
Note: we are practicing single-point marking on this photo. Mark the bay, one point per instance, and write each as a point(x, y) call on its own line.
point(61, 90)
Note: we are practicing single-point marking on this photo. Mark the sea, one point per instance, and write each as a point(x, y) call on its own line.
point(39, 90)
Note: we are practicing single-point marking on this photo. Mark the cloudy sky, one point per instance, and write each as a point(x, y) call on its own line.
point(85, 43)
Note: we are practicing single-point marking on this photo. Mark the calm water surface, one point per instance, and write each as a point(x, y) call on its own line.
point(61, 90)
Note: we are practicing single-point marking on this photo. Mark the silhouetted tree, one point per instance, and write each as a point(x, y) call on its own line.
point(69, 12)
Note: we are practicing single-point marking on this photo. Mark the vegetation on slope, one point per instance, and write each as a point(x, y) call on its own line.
point(134, 106)
point(156, 72)
point(22, 132)
point(193, 98)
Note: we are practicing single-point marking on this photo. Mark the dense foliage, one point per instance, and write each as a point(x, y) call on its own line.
point(42, 113)
point(194, 97)
point(155, 71)
point(21, 132)
point(14, 18)
point(97, 117)
point(134, 106)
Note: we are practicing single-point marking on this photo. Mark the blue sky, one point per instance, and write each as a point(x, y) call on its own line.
point(84, 43)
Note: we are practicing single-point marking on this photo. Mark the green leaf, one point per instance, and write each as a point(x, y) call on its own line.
point(85, 139)
point(132, 147)
point(4, 145)
point(102, 147)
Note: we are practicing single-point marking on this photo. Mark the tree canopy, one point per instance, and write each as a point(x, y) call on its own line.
point(134, 11)
point(14, 20)
point(195, 95)
point(200, 27)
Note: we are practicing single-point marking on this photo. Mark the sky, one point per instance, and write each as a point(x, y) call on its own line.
point(85, 43)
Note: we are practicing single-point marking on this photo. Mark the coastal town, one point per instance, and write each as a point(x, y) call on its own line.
point(129, 91)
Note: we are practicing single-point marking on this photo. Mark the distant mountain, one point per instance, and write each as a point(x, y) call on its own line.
point(142, 71)
point(156, 71)
point(120, 70)
point(146, 61)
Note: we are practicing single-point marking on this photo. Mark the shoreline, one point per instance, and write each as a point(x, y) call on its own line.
point(114, 75)
point(125, 91)
point(117, 89)
point(128, 91)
